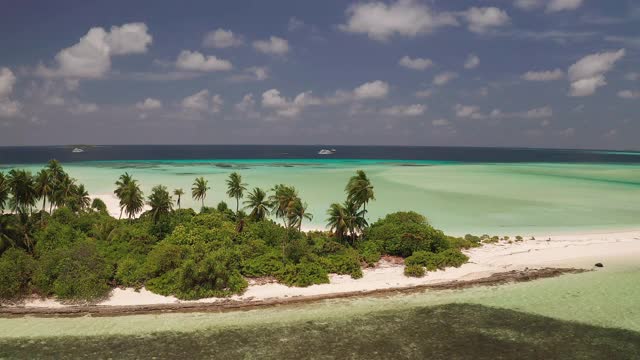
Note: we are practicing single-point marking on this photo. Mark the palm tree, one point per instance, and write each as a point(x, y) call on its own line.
point(56, 175)
point(282, 200)
point(359, 190)
point(178, 193)
point(81, 197)
point(235, 188)
point(132, 200)
point(121, 185)
point(199, 189)
point(338, 220)
point(23, 190)
point(4, 192)
point(160, 202)
point(66, 187)
point(44, 186)
point(258, 203)
point(356, 221)
point(297, 213)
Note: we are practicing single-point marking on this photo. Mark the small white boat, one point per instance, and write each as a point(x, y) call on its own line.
point(77, 150)
point(326, 152)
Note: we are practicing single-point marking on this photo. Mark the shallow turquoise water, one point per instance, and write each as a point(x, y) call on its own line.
point(457, 197)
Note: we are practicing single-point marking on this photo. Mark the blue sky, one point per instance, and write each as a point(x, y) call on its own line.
point(530, 73)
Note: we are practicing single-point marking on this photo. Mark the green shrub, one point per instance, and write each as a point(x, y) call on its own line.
point(268, 264)
point(423, 259)
point(414, 271)
point(403, 233)
point(74, 273)
point(441, 260)
point(130, 271)
point(303, 274)
point(16, 269)
point(467, 242)
point(163, 258)
point(56, 235)
point(98, 205)
point(216, 275)
point(346, 262)
point(370, 252)
point(519, 238)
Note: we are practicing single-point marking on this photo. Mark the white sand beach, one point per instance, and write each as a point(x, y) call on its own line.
point(579, 250)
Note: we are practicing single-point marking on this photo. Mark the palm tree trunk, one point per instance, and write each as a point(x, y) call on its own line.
point(237, 204)
point(44, 202)
point(120, 217)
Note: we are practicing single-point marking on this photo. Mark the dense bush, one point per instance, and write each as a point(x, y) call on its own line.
point(346, 262)
point(56, 235)
point(435, 261)
point(16, 269)
point(414, 271)
point(303, 274)
point(370, 252)
point(468, 242)
point(77, 272)
point(402, 233)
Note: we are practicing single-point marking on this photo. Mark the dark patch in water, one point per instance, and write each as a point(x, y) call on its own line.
point(455, 331)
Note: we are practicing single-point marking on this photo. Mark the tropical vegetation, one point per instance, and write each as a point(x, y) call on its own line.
point(57, 241)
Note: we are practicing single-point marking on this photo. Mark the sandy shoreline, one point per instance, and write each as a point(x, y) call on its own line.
point(578, 251)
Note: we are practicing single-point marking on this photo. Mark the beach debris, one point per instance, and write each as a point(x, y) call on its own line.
point(599, 265)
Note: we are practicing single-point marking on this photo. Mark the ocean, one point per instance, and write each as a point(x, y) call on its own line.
point(497, 191)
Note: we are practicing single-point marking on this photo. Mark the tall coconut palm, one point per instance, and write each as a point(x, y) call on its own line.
point(4, 192)
point(199, 189)
point(132, 200)
point(44, 186)
point(121, 184)
point(56, 175)
point(359, 190)
point(356, 221)
point(178, 193)
point(160, 202)
point(298, 213)
point(81, 197)
point(258, 204)
point(235, 188)
point(66, 187)
point(338, 220)
point(23, 191)
point(282, 200)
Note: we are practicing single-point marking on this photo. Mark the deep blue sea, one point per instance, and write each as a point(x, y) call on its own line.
point(41, 154)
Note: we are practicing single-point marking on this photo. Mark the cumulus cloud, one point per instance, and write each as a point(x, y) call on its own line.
point(254, 73)
point(444, 78)
point(8, 107)
point(246, 106)
point(632, 76)
point(473, 112)
point(90, 58)
point(149, 104)
point(405, 110)
point(195, 61)
point(221, 38)
point(587, 75)
point(423, 93)
point(549, 5)
point(467, 111)
point(284, 107)
point(440, 122)
point(538, 113)
point(83, 108)
point(472, 62)
point(415, 64)
point(380, 21)
point(483, 19)
point(629, 95)
point(272, 46)
point(202, 102)
point(548, 75)
point(372, 90)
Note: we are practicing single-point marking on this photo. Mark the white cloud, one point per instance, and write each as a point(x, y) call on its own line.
point(566, 132)
point(472, 62)
point(254, 73)
point(83, 108)
point(9, 108)
point(91, 56)
point(372, 90)
point(548, 75)
point(273, 46)
point(294, 24)
point(440, 122)
point(587, 74)
point(415, 64)
point(443, 78)
point(247, 106)
point(481, 20)
point(629, 95)
point(405, 110)
point(560, 5)
point(202, 102)
point(381, 21)
point(538, 113)
point(221, 38)
point(549, 5)
point(7, 81)
point(467, 111)
point(195, 61)
point(288, 108)
point(423, 94)
point(149, 104)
